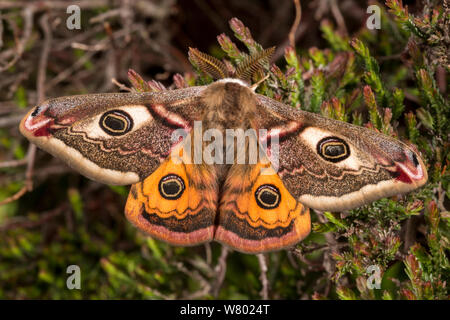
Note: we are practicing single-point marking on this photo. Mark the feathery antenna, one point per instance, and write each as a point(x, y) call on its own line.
point(208, 64)
point(252, 64)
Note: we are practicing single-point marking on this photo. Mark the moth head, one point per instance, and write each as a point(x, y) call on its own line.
point(92, 133)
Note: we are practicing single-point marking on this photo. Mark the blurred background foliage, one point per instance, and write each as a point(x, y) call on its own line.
point(394, 80)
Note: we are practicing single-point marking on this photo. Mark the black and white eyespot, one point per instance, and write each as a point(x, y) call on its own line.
point(268, 196)
point(116, 122)
point(333, 149)
point(171, 187)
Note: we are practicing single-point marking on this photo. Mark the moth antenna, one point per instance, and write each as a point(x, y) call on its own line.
point(252, 64)
point(256, 85)
point(208, 64)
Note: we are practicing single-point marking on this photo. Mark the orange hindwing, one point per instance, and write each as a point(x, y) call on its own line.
point(177, 203)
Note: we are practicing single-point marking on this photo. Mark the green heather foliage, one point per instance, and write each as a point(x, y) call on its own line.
point(406, 237)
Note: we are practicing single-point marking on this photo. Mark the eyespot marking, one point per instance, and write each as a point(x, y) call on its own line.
point(268, 196)
point(171, 187)
point(333, 149)
point(116, 122)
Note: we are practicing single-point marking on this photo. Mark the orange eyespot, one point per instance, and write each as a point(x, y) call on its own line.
point(171, 187)
point(116, 122)
point(268, 196)
point(333, 149)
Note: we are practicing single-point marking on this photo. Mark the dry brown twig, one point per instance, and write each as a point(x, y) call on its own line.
point(61, 45)
point(220, 269)
point(27, 14)
point(298, 18)
point(15, 83)
point(44, 58)
point(208, 253)
point(69, 71)
point(295, 32)
point(441, 197)
point(99, 46)
point(1, 30)
point(105, 16)
point(51, 4)
point(13, 163)
point(338, 17)
point(31, 154)
point(28, 186)
point(21, 222)
point(313, 265)
point(121, 86)
point(333, 247)
point(11, 121)
point(205, 286)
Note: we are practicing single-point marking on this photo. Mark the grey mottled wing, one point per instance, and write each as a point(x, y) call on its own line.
point(115, 138)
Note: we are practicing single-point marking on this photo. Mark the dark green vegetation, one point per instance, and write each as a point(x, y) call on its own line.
point(394, 80)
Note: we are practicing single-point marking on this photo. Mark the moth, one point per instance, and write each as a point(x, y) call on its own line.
point(127, 138)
